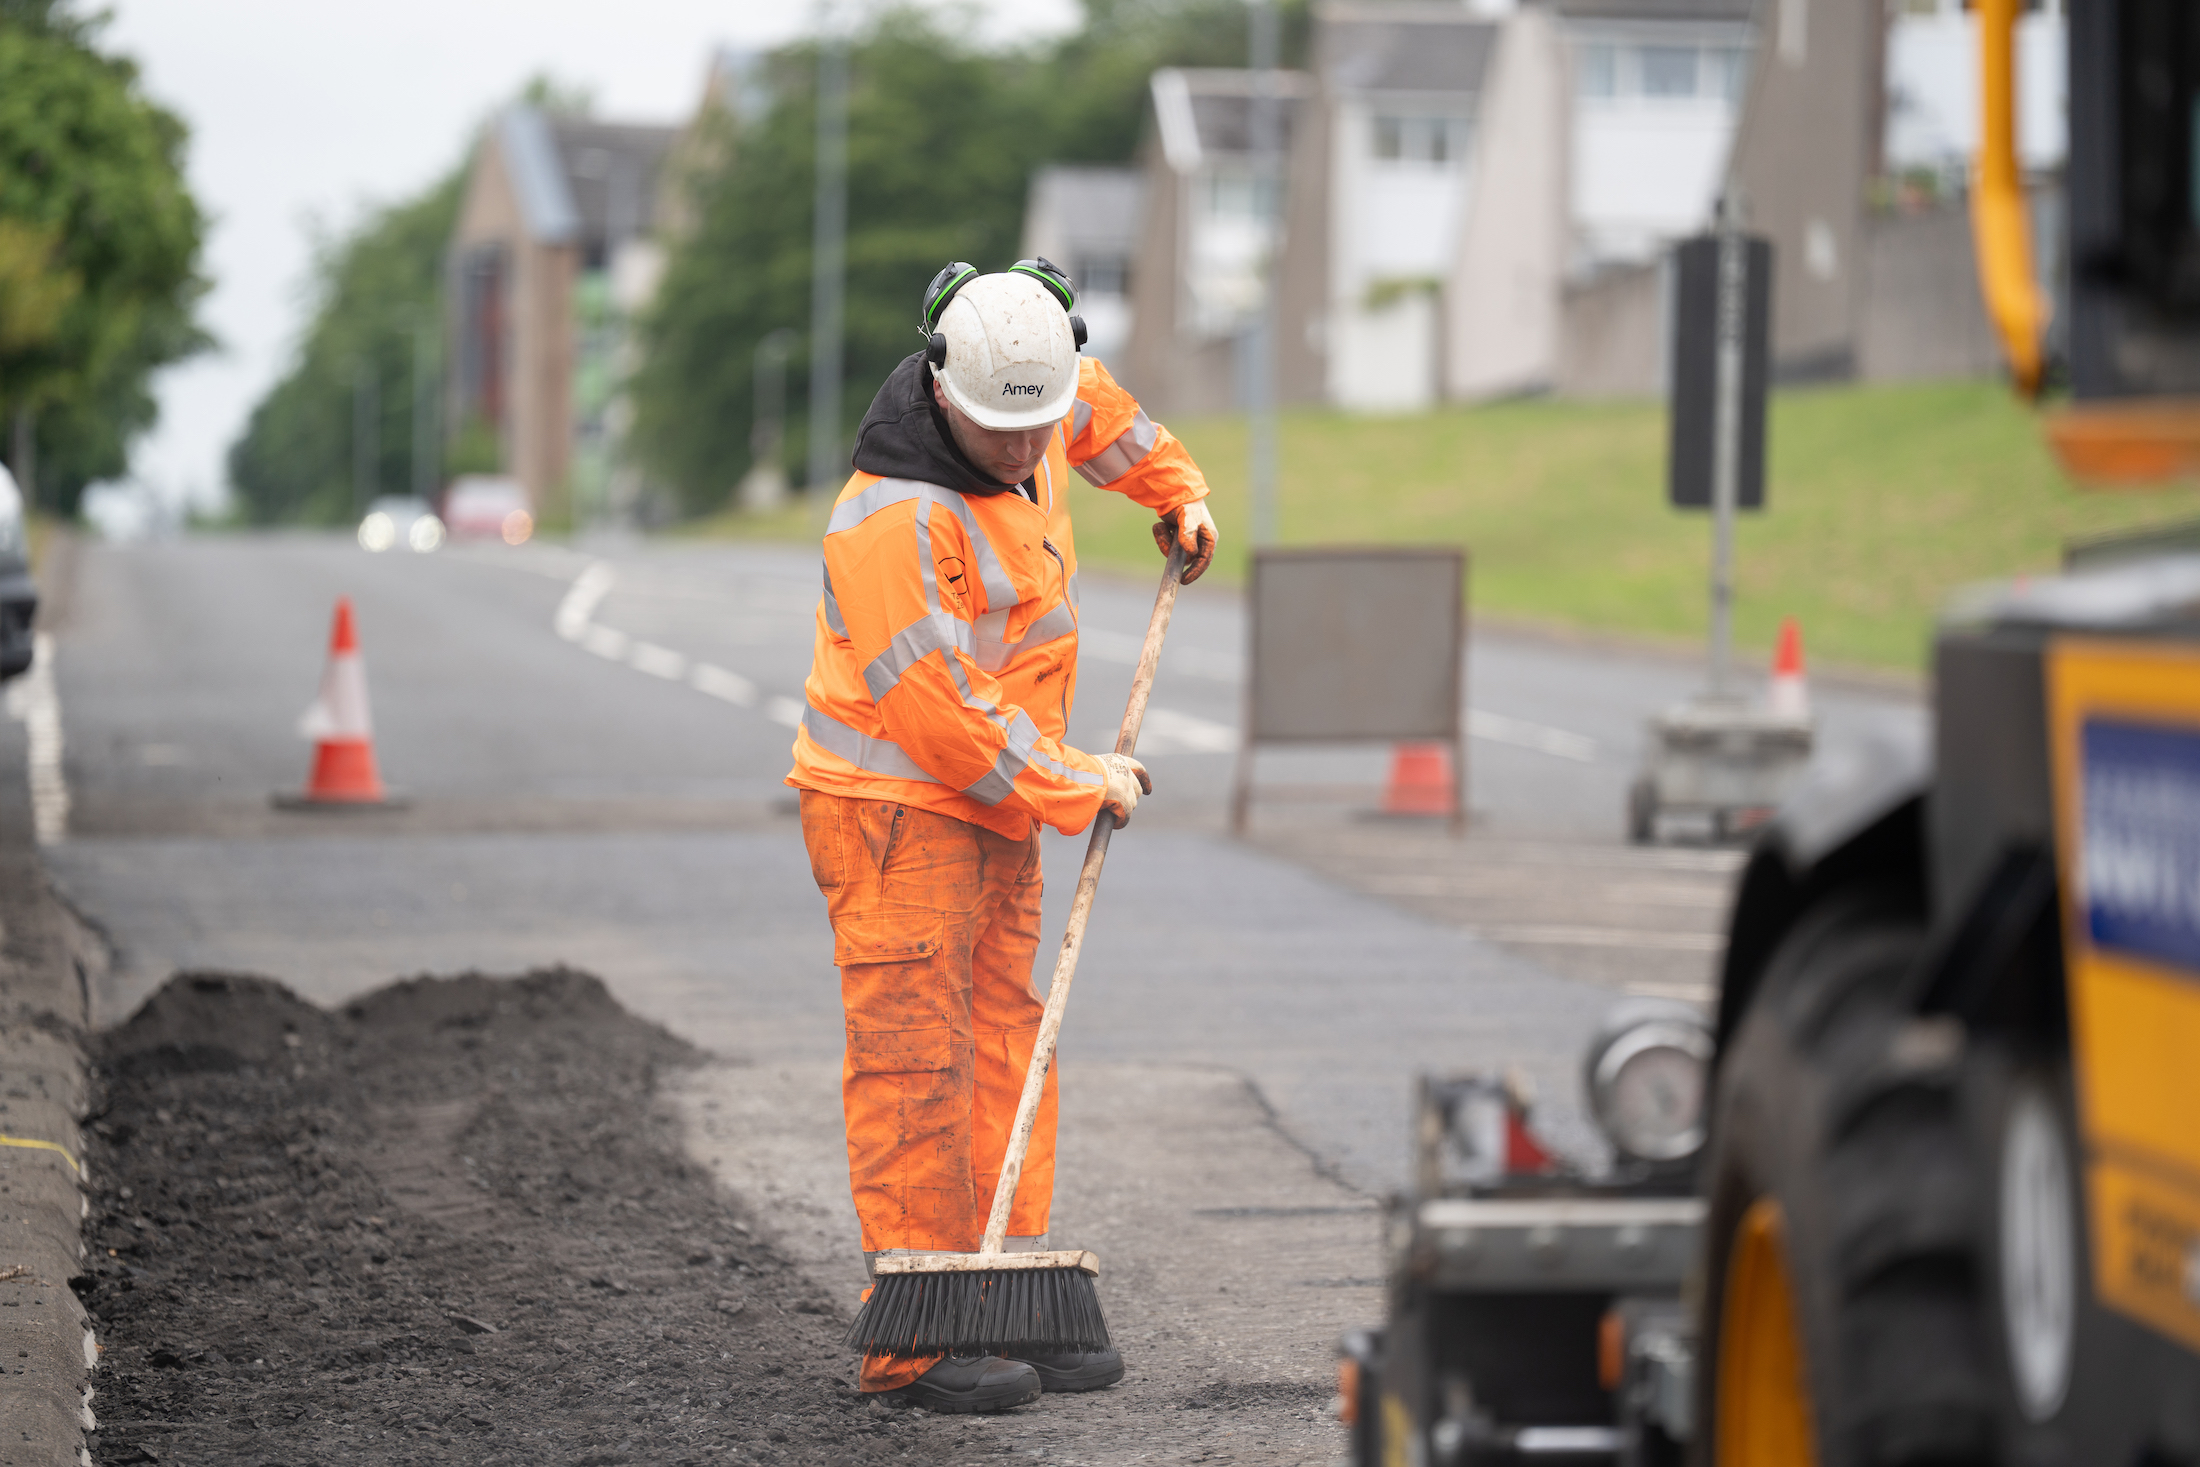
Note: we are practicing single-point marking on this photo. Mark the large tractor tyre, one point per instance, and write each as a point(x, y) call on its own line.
point(1843, 1320)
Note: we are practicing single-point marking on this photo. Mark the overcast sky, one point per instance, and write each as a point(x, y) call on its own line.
point(310, 112)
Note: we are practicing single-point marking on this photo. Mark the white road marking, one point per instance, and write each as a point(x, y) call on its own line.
point(708, 677)
point(1172, 730)
point(1672, 942)
point(1685, 992)
point(657, 661)
point(581, 600)
point(1120, 648)
point(34, 702)
point(784, 710)
point(604, 642)
point(1496, 728)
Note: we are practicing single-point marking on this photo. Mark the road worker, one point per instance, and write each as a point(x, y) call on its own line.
point(933, 748)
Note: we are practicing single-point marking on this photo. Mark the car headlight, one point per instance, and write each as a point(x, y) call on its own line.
point(1648, 1073)
point(426, 533)
point(377, 531)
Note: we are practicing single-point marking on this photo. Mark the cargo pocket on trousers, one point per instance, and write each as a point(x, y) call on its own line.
point(887, 937)
point(897, 1018)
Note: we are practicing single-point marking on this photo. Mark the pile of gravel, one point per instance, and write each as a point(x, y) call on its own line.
point(445, 1223)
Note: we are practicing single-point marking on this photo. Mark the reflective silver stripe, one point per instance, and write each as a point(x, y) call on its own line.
point(936, 631)
point(1127, 452)
point(988, 649)
point(1021, 753)
point(999, 589)
point(852, 512)
point(993, 654)
point(832, 607)
point(878, 756)
point(1080, 419)
point(925, 567)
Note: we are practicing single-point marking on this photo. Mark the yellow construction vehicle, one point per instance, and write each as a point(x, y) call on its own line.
point(1953, 1180)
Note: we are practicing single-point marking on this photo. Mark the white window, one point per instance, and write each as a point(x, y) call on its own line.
point(1660, 71)
point(1437, 140)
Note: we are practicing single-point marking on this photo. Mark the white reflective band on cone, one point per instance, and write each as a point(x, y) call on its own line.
point(340, 712)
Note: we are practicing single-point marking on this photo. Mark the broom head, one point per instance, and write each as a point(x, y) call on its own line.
point(941, 1303)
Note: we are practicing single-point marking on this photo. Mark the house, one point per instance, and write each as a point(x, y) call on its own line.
point(554, 250)
point(1381, 175)
point(1605, 134)
point(1086, 220)
point(1205, 239)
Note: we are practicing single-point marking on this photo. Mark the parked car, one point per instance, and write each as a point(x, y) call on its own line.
point(486, 506)
point(18, 593)
point(398, 521)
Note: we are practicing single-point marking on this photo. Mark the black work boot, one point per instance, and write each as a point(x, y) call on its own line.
point(966, 1383)
point(1074, 1370)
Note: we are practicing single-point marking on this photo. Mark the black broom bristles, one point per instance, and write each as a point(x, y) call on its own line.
point(1050, 1309)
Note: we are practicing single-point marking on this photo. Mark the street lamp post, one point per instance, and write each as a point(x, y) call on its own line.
point(1260, 377)
point(828, 262)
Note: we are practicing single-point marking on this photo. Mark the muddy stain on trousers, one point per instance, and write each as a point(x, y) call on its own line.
point(935, 924)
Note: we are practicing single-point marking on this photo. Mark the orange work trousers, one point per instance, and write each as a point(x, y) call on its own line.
point(935, 924)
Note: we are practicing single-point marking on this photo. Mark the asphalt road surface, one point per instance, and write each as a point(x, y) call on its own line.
point(592, 743)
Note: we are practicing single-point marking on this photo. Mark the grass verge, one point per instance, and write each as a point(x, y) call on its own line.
point(1882, 500)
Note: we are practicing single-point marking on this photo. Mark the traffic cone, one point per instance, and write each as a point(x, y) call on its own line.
point(343, 735)
point(1420, 781)
point(1789, 696)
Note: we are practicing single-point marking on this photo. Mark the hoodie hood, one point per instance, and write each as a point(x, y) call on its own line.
point(905, 436)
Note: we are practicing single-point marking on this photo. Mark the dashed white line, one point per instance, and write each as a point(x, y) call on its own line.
point(784, 710)
point(581, 600)
point(604, 642)
point(708, 677)
point(657, 661)
point(1496, 728)
point(1188, 731)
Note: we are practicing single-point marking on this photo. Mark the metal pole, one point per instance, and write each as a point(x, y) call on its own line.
point(768, 369)
point(423, 412)
point(366, 444)
point(1726, 441)
point(828, 265)
point(1267, 193)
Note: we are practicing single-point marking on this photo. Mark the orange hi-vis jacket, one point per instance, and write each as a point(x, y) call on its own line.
point(946, 657)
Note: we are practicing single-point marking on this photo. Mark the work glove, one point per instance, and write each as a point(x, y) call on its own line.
point(1193, 528)
point(1127, 780)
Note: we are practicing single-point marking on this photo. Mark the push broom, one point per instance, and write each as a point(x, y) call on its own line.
point(993, 1300)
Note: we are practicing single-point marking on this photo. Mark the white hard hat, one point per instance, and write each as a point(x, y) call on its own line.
point(1011, 353)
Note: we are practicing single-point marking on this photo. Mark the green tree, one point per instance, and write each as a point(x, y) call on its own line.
point(376, 310)
point(99, 245)
point(943, 139)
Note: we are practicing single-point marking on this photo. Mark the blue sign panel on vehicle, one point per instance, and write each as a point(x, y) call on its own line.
point(2139, 866)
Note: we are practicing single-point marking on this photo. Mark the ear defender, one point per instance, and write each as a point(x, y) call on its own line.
point(1050, 275)
point(936, 296)
point(960, 273)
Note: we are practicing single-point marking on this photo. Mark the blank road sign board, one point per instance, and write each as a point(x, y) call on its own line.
point(1352, 644)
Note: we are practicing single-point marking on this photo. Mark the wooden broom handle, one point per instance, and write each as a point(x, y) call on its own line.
point(1080, 909)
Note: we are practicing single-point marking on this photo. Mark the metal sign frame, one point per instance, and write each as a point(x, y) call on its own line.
point(1397, 674)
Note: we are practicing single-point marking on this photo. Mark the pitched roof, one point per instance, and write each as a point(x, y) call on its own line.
point(611, 170)
point(581, 181)
point(1401, 46)
point(1718, 10)
point(538, 177)
point(1203, 113)
point(1094, 208)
